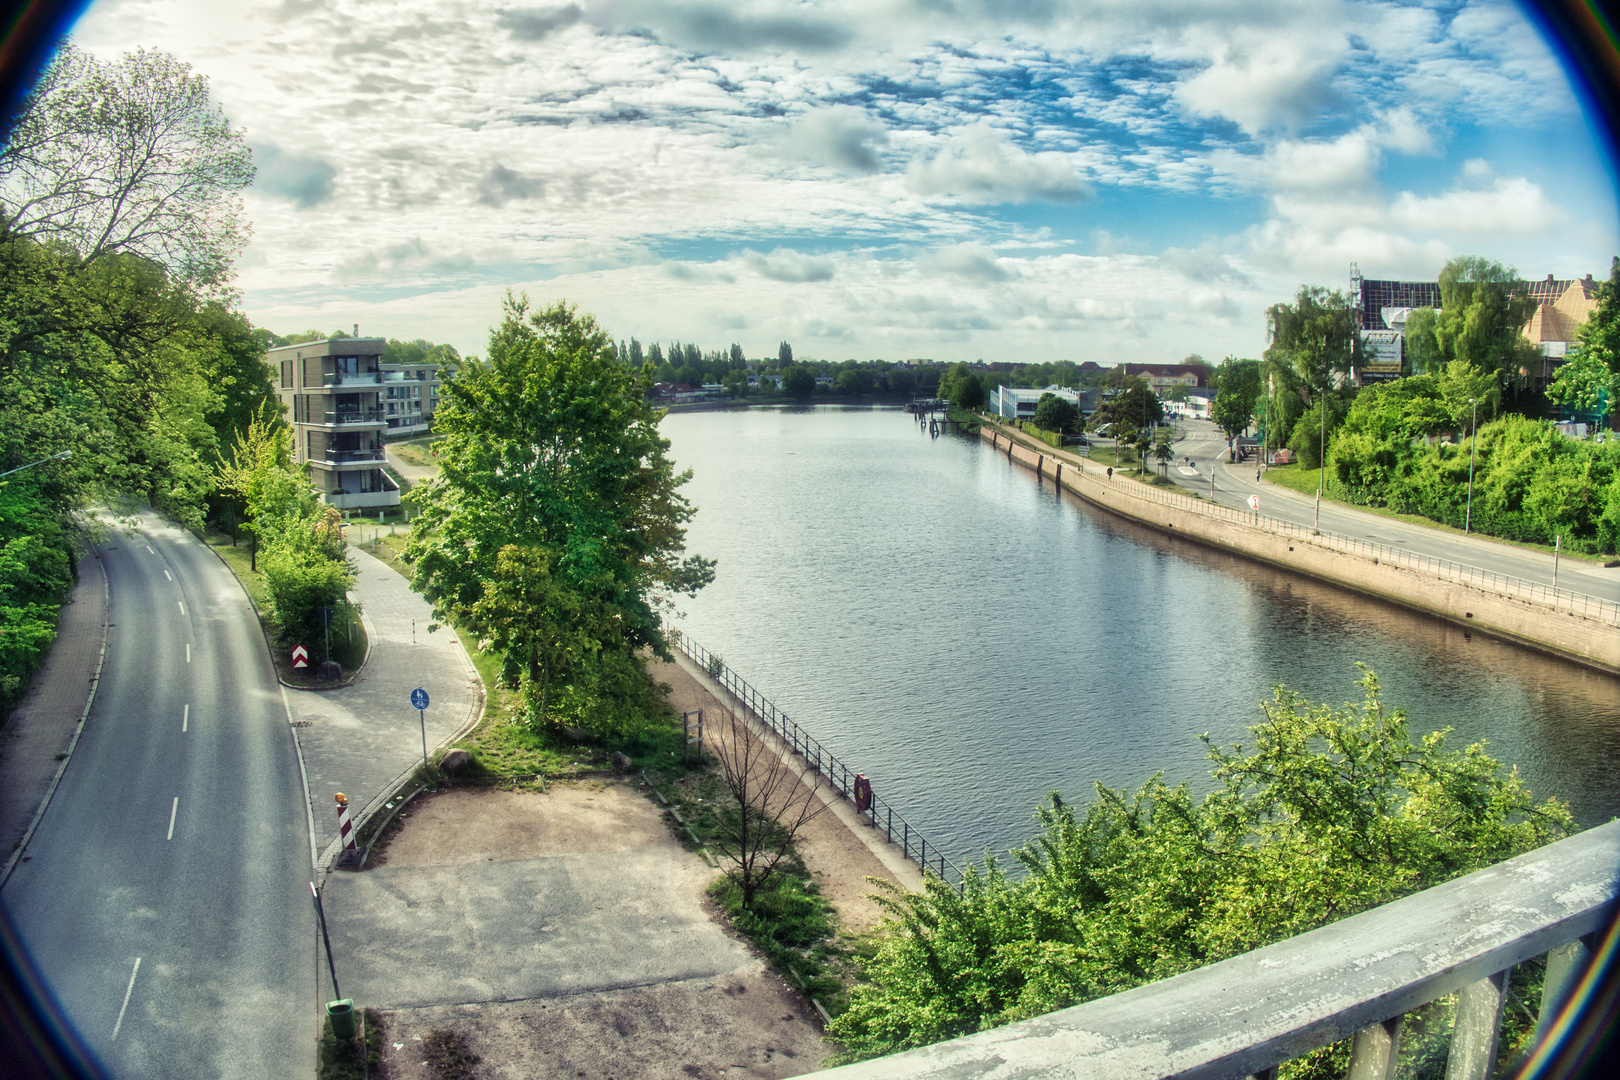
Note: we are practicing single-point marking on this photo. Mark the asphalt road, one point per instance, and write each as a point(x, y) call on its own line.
point(165, 896)
point(1206, 446)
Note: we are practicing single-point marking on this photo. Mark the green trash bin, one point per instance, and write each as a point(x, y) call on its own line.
point(341, 1013)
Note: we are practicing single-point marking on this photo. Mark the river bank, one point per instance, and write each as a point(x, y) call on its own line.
point(1550, 623)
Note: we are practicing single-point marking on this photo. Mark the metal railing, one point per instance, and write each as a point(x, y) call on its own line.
point(353, 416)
point(342, 457)
point(346, 378)
point(1595, 607)
point(837, 773)
point(1353, 979)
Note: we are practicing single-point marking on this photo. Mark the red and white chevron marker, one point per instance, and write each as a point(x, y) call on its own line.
point(345, 827)
point(300, 656)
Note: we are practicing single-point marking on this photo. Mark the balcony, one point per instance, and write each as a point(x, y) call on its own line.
point(350, 378)
point(353, 457)
point(352, 416)
point(1355, 978)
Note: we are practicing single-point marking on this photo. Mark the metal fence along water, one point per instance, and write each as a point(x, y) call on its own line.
point(837, 774)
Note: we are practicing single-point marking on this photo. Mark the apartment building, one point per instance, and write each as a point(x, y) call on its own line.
point(333, 393)
point(409, 397)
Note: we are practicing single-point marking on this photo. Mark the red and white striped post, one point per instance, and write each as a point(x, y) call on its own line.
point(351, 850)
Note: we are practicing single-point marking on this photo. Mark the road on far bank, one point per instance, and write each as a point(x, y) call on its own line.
point(164, 897)
point(1205, 445)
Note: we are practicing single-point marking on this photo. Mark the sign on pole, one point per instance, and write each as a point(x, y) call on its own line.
point(300, 656)
point(419, 702)
point(1254, 503)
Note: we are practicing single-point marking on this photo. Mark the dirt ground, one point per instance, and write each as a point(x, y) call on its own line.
point(739, 1020)
point(840, 862)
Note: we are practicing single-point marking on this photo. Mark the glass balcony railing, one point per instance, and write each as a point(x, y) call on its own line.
point(346, 457)
point(350, 378)
point(352, 416)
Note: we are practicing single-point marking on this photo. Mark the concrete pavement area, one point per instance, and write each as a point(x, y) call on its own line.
point(560, 933)
point(364, 738)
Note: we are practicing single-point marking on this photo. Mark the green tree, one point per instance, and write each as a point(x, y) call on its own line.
point(1163, 448)
point(1330, 812)
point(1586, 383)
point(1317, 336)
point(1137, 405)
point(799, 382)
point(1054, 413)
point(1237, 389)
point(853, 381)
point(784, 354)
point(130, 157)
point(556, 492)
point(1600, 336)
point(1482, 316)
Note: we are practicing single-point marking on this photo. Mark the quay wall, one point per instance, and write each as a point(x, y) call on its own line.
point(1572, 635)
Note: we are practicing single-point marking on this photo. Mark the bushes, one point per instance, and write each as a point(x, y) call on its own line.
point(35, 575)
point(1531, 484)
point(1332, 811)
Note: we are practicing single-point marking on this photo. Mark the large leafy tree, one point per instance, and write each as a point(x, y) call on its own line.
point(1137, 405)
point(1317, 336)
point(1053, 413)
point(555, 528)
point(1237, 389)
point(1600, 337)
point(1481, 320)
point(130, 157)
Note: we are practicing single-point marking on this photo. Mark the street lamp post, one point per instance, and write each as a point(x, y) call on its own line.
point(1473, 442)
point(41, 461)
point(1321, 460)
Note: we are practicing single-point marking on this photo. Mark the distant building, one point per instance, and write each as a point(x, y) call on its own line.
point(1019, 404)
point(1161, 377)
point(333, 394)
point(410, 396)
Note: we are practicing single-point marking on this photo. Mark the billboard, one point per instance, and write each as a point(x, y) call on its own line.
point(1381, 352)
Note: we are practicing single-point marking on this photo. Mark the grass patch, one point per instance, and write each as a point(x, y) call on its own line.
point(415, 451)
point(792, 923)
point(348, 635)
point(448, 1055)
point(353, 1059)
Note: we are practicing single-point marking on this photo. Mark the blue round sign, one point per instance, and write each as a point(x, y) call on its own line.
point(419, 698)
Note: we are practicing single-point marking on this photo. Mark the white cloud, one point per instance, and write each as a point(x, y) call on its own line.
point(1509, 205)
point(1274, 82)
point(971, 261)
point(980, 166)
point(841, 136)
point(785, 265)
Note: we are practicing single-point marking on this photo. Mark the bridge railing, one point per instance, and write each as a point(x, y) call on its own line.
point(1595, 607)
point(1356, 978)
point(837, 774)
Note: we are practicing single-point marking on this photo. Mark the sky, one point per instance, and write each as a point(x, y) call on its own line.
point(1006, 180)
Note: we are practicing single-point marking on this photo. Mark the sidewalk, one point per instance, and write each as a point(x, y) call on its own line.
point(362, 739)
point(41, 727)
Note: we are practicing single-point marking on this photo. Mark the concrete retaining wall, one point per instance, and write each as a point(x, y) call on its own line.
point(1571, 635)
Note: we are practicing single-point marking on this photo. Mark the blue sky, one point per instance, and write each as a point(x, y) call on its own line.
point(1021, 180)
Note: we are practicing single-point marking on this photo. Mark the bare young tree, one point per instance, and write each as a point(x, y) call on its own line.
point(766, 806)
point(130, 158)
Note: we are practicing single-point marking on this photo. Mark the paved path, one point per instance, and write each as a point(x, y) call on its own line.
point(410, 472)
point(1235, 483)
point(41, 727)
point(362, 739)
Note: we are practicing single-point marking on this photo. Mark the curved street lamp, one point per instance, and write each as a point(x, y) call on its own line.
point(41, 461)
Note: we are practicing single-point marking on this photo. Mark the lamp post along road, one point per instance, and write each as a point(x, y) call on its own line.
point(1473, 443)
point(41, 461)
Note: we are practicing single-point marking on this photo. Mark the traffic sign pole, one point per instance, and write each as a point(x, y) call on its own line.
point(419, 700)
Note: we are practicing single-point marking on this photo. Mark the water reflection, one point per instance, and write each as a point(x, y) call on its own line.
point(972, 640)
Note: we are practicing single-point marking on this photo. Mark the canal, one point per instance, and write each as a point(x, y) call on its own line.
point(972, 640)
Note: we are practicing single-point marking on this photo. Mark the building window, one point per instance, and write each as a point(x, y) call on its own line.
point(286, 374)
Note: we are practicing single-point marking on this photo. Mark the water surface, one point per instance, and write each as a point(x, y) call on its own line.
point(971, 639)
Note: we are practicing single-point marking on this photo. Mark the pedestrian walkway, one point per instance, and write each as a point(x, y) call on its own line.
point(364, 738)
point(35, 739)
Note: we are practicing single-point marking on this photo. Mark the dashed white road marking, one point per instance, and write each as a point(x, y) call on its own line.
point(173, 809)
point(188, 652)
point(168, 575)
point(182, 604)
point(185, 721)
point(148, 548)
point(128, 990)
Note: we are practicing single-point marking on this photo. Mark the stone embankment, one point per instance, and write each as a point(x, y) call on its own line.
point(1553, 623)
